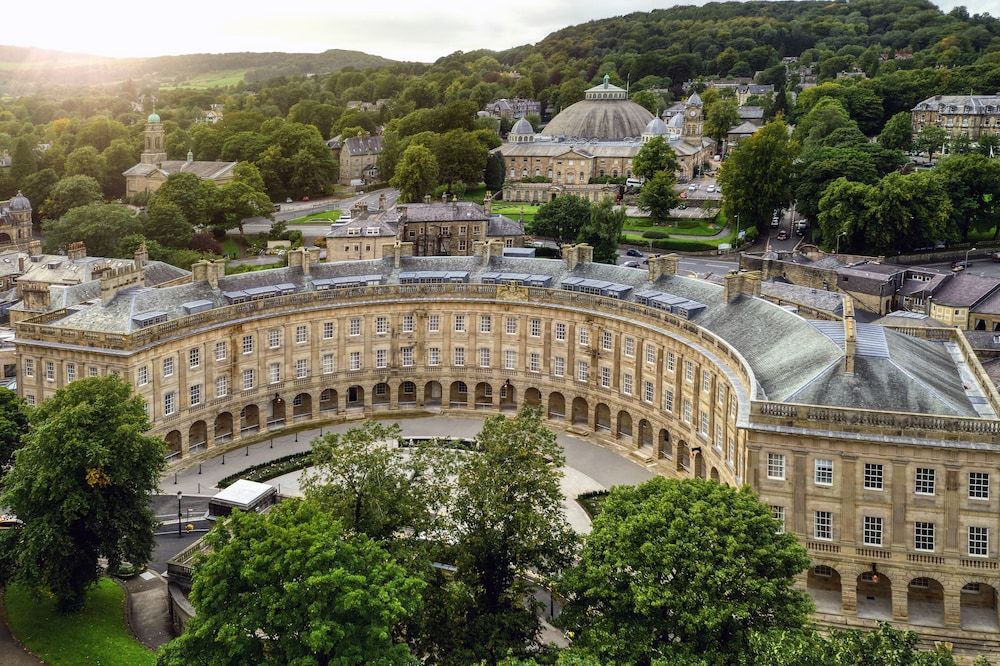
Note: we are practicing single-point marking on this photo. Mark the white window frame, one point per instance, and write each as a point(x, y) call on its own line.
point(776, 466)
point(823, 472)
point(823, 525)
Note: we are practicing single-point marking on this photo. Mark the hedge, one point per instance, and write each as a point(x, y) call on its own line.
point(271, 469)
point(684, 245)
point(655, 234)
point(591, 501)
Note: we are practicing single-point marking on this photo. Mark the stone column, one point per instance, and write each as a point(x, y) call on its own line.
point(952, 606)
point(899, 596)
point(849, 596)
point(185, 441)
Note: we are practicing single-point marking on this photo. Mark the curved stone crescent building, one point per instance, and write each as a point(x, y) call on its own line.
point(877, 448)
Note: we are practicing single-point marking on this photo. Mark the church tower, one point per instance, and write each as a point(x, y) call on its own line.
point(153, 151)
point(693, 120)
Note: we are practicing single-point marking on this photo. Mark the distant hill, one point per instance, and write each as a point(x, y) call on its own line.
point(24, 70)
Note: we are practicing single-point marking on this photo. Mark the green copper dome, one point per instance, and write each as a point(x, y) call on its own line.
point(153, 118)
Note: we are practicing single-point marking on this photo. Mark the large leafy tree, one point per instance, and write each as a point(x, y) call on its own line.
point(494, 172)
point(100, 226)
point(886, 646)
point(603, 230)
point(655, 155)
point(843, 211)
point(972, 183)
point(292, 587)
point(824, 118)
point(508, 520)
point(13, 426)
point(165, 223)
point(819, 167)
point(82, 483)
point(930, 140)
point(37, 188)
point(240, 201)
point(898, 132)
point(757, 176)
point(197, 199)
point(69, 193)
point(721, 116)
point(416, 174)
point(680, 569)
point(86, 161)
point(562, 218)
point(913, 210)
point(658, 196)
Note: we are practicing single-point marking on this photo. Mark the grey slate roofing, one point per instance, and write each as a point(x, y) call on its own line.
point(522, 126)
point(974, 104)
point(989, 305)
point(829, 301)
point(751, 112)
point(204, 170)
point(792, 359)
point(964, 290)
point(501, 225)
point(363, 145)
point(745, 127)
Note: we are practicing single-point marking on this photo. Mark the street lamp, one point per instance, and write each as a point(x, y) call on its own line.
point(842, 233)
point(180, 495)
point(971, 249)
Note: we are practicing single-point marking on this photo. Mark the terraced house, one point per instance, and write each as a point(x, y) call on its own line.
point(879, 450)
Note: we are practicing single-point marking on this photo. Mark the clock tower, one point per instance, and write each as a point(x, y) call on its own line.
point(693, 120)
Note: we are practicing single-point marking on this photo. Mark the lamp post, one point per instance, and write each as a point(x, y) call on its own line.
point(737, 216)
point(180, 495)
point(971, 249)
point(842, 233)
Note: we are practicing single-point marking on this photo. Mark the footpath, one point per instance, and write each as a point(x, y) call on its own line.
point(12, 653)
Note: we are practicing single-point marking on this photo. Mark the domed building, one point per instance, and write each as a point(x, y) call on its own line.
point(15, 220)
point(587, 149)
point(154, 167)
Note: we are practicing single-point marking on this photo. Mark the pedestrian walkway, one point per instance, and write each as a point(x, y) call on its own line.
point(11, 652)
point(148, 609)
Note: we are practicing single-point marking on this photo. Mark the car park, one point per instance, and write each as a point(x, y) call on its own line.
point(710, 188)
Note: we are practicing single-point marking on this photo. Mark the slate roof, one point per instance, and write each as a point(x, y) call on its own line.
point(363, 145)
point(963, 290)
point(745, 127)
point(971, 104)
point(501, 225)
point(989, 305)
point(204, 170)
point(594, 148)
point(791, 358)
point(751, 112)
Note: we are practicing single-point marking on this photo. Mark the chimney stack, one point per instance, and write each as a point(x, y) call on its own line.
point(381, 201)
point(738, 283)
point(141, 256)
point(662, 266)
point(488, 203)
point(297, 259)
point(850, 336)
point(34, 248)
point(76, 251)
point(397, 251)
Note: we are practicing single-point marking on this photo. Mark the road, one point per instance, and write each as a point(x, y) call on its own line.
point(686, 265)
point(291, 211)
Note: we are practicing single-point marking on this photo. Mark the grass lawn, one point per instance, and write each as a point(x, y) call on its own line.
point(218, 79)
point(317, 218)
point(97, 635)
point(514, 210)
point(231, 249)
point(688, 227)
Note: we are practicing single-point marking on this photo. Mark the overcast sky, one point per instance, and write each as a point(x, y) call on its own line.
point(422, 30)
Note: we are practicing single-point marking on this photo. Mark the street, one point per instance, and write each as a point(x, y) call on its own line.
point(297, 209)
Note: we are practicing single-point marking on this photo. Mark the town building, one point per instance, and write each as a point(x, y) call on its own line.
point(511, 109)
point(969, 116)
point(15, 221)
point(448, 228)
point(359, 160)
point(879, 450)
point(587, 149)
point(154, 168)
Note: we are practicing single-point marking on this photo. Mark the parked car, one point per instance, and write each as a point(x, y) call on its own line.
point(774, 221)
point(305, 198)
point(995, 256)
point(631, 264)
point(8, 521)
point(782, 234)
point(959, 266)
point(632, 252)
point(693, 187)
point(710, 188)
point(288, 200)
point(634, 182)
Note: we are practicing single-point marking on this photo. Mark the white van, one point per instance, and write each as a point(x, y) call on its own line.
point(634, 182)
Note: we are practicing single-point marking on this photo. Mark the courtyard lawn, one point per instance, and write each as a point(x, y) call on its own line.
point(96, 635)
point(683, 227)
point(317, 218)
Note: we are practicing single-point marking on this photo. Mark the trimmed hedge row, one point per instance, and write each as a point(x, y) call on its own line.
point(684, 244)
point(655, 235)
point(271, 469)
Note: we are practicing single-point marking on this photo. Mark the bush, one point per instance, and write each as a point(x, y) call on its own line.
point(536, 179)
point(653, 235)
point(751, 234)
point(205, 242)
point(270, 470)
point(683, 245)
point(591, 501)
point(458, 189)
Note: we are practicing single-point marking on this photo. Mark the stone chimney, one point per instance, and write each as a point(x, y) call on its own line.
point(850, 336)
point(297, 259)
point(488, 203)
point(480, 250)
point(208, 271)
point(741, 282)
point(661, 266)
point(444, 197)
point(116, 279)
point(141, 256)
point(397, 251)
point(571, 256)
point(494, 248)
point(76, 251)
point(200, 269)
point(313, 255)
point(381, 201)
point(34, 248)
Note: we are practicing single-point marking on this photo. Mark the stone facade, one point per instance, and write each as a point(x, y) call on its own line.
point(896, 508)
point(359, 160)
point(970, 116)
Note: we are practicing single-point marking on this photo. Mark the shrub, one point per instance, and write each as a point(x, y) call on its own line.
point(654, 235)
point(205, 242)
point(683, 244)
point(271, 469)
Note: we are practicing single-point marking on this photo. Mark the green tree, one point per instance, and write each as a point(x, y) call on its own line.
point(654, 156)
point(930, 140)
point(37, 187)
point(822, 119)
point(69, 193)
point(165, 223)
point(820, 166)
point(897, 133)
point(117, 158)
point(364, 482)
point(292, 587)
point(247, 172)
point(13, 426)
point(196, 198)
point(603, 230)
point(972, 183)
point(23, 160)
point(86, 161)
point(509, 519)
point(843, 211)
point(707, 567)
point(416, 174)
point(240, 201)
point(912, 211)
point(648, 100)
point(886, 646)
point(495, 172)
point(562, 218)
point(757, 176)
point(100, 226)
point(658, 196)
point(721, 117)
point(82, 484)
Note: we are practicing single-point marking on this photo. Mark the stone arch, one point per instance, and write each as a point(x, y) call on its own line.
point(328, 400)
point(624, 424)
point(824, 588)
point(381, 394)
point(355, 396)
point(407, 393)
point(508, 396)
point(925, 602)
point(197, 434)
point(277, 415)
point(663, 444)
point(874, 592)
point(602, 418)
point(978, 607)
point(5, 239)
point(714, 474)
point(173, 440)
point(683, 456)
point(645, 434)
point(302, 405)
point(458, 395)
point(699, 463)
point(223, 427)
point(484, 394)
point(533, 397)
point(581, 411)
point(250, 418)
point(432, 394)
point(557, 406)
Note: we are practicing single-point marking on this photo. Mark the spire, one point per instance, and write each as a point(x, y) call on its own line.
point(607, 80)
